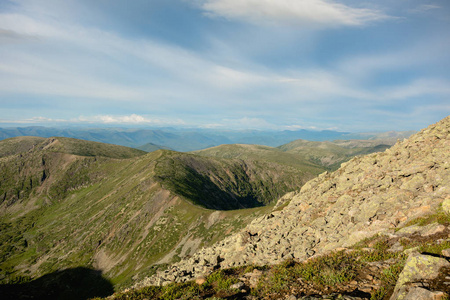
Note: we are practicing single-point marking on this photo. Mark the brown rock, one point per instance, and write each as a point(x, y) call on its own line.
point(418, 293)
point(200, 280)
point(446, 252)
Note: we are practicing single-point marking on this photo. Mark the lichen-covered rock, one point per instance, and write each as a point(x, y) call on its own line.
point(446, 205)
point(418, 268)
point(427, 230)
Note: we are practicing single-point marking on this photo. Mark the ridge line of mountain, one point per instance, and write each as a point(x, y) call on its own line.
point(377, 193)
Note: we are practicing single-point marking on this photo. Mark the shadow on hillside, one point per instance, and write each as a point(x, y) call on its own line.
point(72, 284)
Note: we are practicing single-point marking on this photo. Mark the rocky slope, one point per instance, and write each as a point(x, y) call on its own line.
point(378, 193)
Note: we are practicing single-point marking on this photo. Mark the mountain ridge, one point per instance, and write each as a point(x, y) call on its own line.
point(327, 154)
point(331, 154)
point(377, 193)
point(123, 215)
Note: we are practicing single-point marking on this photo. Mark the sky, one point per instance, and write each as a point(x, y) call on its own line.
point(347, 65)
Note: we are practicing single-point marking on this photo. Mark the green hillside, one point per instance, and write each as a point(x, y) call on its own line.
point(261, 153)
point(125, 217)
point(66, 145)
point(331, 154)
point(18, 144)
point(311, 156)
point(217, 183)
point(150, 147)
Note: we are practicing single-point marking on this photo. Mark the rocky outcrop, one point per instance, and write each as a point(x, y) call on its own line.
point(367, 195)
point(413, 279)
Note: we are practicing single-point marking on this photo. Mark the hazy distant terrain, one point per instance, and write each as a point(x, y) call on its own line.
point(191, 139)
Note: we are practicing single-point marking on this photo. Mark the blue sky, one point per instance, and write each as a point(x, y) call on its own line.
point(241, 64)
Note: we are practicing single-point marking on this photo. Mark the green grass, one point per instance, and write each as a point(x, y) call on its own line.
point(331, 155)
point(103, 204)
point(218, 282)
point(328, 270)
point(262, 153)
point(17, 145)
point(388, 279)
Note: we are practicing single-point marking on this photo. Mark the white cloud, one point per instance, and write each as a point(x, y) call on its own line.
point(24, 25)
point(298, 127)
point(64, 61)
point(165, 70)
point(33, 120)
point(292, 12)
point(423, 8)
point(417, 54)
point(133, 119)
point(417, 88)
point(320, 84)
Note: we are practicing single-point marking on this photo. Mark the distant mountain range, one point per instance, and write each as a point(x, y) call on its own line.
point(192, 139)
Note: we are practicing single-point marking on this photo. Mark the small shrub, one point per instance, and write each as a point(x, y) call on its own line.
point(220, 280)
point(338, 267)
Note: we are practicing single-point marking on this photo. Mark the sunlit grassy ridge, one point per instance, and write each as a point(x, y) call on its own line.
point(67, 203)
point(332, 154)
point(300, 153)
point(16, 145)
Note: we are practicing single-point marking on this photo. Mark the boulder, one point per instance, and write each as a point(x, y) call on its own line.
point(418, 268)
point(419, 293)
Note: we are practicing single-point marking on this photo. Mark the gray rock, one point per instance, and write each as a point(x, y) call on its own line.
point(237, 286)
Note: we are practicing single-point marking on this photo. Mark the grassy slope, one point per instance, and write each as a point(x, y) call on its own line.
point(88, 148)
point(331, 154)
point(230, 183)
point(16, 145)
point(122, 216)
point(150, 147)
point(261, 153)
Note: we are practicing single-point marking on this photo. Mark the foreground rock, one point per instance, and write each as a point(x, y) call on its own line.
point(413, 281)
point(368, 195)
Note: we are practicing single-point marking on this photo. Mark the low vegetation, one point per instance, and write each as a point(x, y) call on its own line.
point(371, 262)
point(67, 203)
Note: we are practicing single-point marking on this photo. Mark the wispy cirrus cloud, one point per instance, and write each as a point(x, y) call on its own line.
point(57, 63)
point(423, 8)
point(292, 12)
